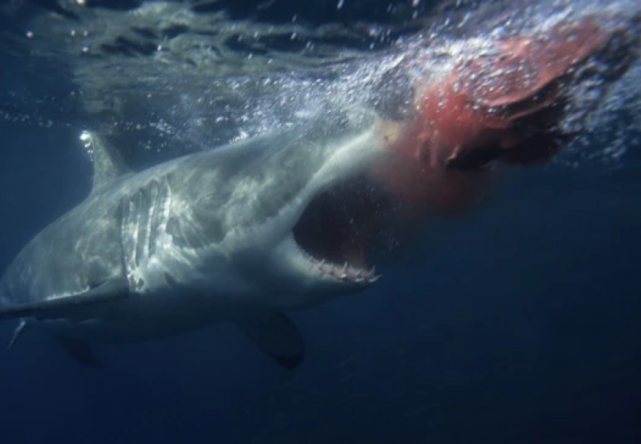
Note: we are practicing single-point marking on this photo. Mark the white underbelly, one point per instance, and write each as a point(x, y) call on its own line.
point(147, 318)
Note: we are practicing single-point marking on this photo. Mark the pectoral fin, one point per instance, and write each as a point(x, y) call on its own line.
point(16, 334)
point(65, 306)
point(80, 351)
point(277, 336)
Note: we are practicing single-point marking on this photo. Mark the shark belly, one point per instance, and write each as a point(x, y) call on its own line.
point(143, 318)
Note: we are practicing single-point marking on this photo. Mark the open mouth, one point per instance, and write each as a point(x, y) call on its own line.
point(345, 228)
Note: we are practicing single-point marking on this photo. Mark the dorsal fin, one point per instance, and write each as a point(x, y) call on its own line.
point(107, 163)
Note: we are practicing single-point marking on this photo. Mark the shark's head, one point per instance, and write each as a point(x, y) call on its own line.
point(296, 213)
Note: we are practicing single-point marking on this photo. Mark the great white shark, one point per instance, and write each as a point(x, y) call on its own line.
point(230, 234)
point(252, 230)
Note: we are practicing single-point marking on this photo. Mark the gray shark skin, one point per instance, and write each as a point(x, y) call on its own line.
point(186, 244)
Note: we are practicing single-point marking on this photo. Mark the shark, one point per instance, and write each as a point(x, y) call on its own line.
point(242, 233)
point(253, 230)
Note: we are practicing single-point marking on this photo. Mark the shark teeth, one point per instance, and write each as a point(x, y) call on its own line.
point(346, 272)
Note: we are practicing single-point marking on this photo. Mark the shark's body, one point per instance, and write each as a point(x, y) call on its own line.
point(195, 241)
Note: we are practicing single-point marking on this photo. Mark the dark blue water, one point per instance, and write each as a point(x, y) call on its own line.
point(524, 327)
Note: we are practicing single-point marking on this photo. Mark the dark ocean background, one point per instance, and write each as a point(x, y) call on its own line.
point(523, 327)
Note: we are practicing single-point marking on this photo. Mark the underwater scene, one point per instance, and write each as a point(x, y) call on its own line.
point(320, 221)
